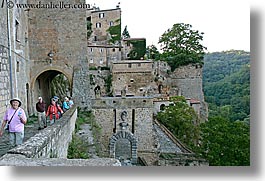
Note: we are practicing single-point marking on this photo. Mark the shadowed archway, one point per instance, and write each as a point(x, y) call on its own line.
point(50, 83)
point(126, 140)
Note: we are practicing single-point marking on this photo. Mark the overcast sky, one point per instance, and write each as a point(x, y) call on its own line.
point(226, 23)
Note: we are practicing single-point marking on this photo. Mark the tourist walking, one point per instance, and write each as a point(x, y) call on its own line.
point(66, 104)
point(71, 102)
point(52, 112)
point(15, 118)
point(56, 99)
point(41, 107)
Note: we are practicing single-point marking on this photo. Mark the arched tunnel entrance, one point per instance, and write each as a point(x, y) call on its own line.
point(49, 84)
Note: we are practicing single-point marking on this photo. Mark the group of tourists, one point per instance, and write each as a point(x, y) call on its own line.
point(15, 118)
point(54, 110)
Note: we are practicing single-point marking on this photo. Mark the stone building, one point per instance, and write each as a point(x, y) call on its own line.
point(104, 45)
point(14, 57)
point(136, 76)
point(43, 43)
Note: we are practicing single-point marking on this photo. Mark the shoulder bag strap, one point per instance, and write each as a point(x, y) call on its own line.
point(12, 116)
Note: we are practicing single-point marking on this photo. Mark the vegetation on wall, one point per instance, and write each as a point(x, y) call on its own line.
point(60, 86)
point(108, 85)
point(89, 29)
point(139, 49)
point(182, 46)
point(115, 33)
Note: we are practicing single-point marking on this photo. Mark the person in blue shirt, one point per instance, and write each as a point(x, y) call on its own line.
point(66, 104)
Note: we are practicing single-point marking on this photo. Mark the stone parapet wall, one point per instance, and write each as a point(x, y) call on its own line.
point(20, 160)
point(122, 103)
point(52, 142)
point(183, 160)
point(49, 148)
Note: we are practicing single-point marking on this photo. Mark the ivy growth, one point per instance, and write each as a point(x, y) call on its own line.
point(139, 49)
point(89, 29)
point(108, 85)
point(115, 32)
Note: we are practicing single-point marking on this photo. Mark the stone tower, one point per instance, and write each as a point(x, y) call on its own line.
point(58, 45)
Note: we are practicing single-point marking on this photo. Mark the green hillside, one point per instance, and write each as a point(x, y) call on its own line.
point(226, 83)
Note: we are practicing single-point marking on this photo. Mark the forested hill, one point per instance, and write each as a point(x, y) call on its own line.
point(226, 82)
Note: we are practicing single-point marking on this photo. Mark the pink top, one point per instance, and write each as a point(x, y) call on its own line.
point(15, 125)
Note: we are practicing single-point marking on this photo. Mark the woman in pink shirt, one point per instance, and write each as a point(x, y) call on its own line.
point(16, 118)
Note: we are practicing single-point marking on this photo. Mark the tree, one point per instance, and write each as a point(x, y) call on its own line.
point(125, 33)
point(152, 52)
point(181, 120)
point(225, 143)
point(181, 46)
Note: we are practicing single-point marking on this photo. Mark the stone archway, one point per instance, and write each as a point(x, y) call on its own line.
point(41, 86)
point(124, 136)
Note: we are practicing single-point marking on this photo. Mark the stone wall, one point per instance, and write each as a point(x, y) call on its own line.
point(184, 81)
point(19, 57)
point(103, 56)
point(107, 112)
point(63, 32)
point(52, 142)
point(188, 79)
point(49, 147)
point(135, 76)
point(182, 160)
point(4, 78)
point(97, 78)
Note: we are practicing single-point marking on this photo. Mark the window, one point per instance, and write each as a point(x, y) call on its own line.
point(162, 107)
point(98, 25)
point(101, 61)
point(91, 60)
point(17, 66)
point(131, 80)
point(101, 50)
point(113, 49)
point(95, 38)
point(17, 31)
point(0, 66)
point(111, 23)
point(139, 65)
point(101, 15)
point(130, 65)
point(91, 49)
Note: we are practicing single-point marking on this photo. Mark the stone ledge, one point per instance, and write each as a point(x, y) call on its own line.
point(20, 160)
